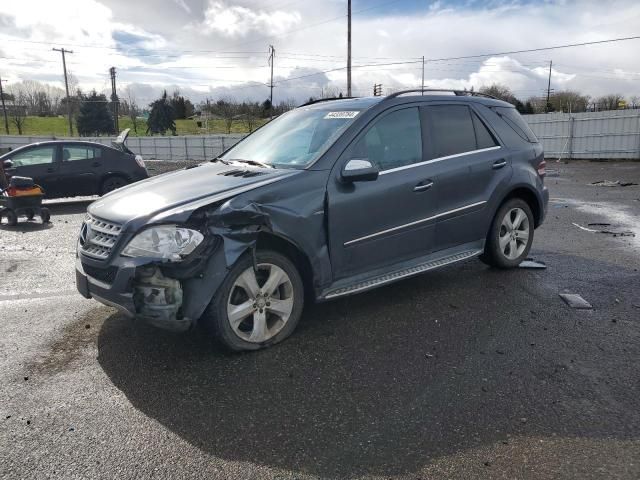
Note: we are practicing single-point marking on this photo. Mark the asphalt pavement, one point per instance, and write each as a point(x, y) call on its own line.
point(464, 372)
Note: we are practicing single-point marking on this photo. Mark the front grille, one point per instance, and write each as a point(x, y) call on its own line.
point(106, 275)
point(98, 237)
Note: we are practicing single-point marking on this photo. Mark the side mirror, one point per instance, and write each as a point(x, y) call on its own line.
point(7, 164)
point(359, 170)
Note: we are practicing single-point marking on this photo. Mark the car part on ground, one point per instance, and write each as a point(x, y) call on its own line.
point(575, 301)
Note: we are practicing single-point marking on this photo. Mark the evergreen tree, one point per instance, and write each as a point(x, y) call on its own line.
point(94, 117)
point(161, 116)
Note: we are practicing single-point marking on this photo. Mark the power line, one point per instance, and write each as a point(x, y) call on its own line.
point(541, 49)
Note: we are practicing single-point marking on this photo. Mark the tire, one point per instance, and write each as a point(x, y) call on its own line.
point(506, 246)
point(235, 291)
point(12, 218)
point(112, 183)
point(45, 215)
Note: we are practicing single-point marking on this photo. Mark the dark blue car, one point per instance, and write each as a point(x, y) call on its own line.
point(330, 199)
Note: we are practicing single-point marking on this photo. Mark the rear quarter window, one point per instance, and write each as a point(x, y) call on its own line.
point(512, 118)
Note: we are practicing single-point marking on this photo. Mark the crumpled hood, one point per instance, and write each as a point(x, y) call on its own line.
point(150, 198)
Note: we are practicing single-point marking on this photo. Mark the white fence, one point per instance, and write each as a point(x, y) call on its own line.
point(191, 147)
point(592, 135)
point(612, 134)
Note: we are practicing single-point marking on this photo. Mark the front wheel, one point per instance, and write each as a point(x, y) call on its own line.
point(255, 309)
point(510, 236)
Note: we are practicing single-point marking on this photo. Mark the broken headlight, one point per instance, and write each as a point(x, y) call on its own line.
point(167, 242)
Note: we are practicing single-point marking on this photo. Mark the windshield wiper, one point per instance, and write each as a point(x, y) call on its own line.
point(252, 162)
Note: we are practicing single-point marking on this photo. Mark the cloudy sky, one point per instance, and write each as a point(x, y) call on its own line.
point(214, 48)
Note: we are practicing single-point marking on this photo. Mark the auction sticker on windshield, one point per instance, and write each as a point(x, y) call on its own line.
point(341, 115)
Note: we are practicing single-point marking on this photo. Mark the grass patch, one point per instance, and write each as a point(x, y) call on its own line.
point(58, 126)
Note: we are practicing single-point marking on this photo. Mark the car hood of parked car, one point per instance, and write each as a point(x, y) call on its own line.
point(182, 190)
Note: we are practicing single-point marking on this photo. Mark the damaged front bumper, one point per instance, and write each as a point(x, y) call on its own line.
point(168, 296)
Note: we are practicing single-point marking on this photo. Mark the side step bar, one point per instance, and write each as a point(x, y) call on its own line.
point(400, 274)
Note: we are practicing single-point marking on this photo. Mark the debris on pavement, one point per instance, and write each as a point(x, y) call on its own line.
point(615, 233)
point(575, 301)
point(612, 183)
point(532, 264)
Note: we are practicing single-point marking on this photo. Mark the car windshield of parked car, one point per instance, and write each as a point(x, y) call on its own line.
point(293, 140)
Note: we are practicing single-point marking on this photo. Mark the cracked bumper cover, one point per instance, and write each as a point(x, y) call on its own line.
point(144, 299)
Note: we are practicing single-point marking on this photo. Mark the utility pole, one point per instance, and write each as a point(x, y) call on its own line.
point(66, 85)
point(114, 99)
point(4, 108)
point(272, 53)
point(422, 92)
point(348, 48)
point(546, 107)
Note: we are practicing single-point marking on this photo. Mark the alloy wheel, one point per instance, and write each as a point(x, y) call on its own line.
point(514, 233)
point(260, 303)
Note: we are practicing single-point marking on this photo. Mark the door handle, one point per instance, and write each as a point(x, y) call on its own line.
point(50, 170)
point(422, 186)
point(499, 164)
point(95, 164)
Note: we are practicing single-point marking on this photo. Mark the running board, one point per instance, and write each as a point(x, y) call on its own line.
point(400, 274)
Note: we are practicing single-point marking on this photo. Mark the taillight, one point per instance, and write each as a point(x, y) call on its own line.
point(542, 168)
point(140, 161)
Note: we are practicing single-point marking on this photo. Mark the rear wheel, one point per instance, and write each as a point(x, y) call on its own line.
point(12, 218)
point(112, 183)
point(256, 309)
point(510, 236)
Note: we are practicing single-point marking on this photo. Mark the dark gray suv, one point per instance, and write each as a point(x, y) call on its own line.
point(330, 199)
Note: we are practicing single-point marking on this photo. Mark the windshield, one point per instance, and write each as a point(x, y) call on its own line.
point(293, 140)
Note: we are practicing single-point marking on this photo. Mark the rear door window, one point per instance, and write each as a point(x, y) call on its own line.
point(393, 141)
point(80, 152)
point(451, 130)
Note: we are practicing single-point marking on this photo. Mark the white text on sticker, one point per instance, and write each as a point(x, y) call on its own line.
point(341, 115)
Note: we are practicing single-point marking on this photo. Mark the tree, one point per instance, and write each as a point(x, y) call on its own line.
point(501, 92)
point(132, 109)
point(266, 108)
point(228, 110)
point(182, 107)
point(569, 101)
point(250, 112)
point(18, 113)
point(161, 116)
point(608, 102)
point(94, 117)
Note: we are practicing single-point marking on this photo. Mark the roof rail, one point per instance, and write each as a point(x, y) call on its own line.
point(459, 93)
point(324, 100)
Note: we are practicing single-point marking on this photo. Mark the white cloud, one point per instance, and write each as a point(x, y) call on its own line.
point(236, 21)
point(180, 46)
